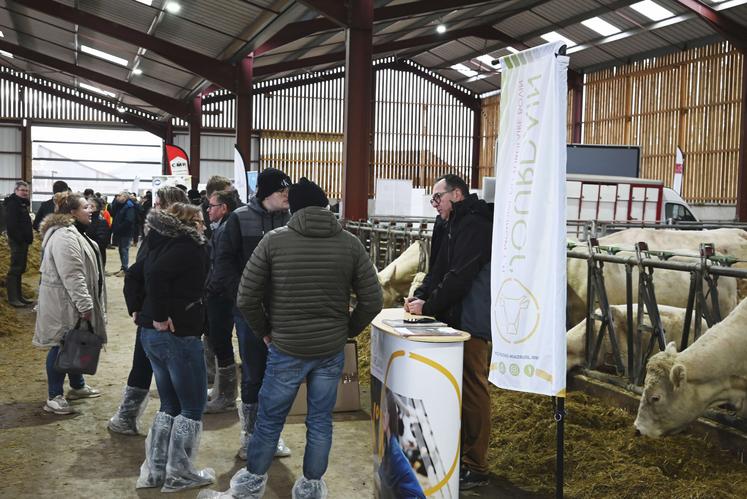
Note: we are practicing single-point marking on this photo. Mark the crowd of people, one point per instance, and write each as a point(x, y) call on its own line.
point(280, 271)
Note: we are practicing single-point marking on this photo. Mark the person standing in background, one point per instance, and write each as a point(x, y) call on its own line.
point(20, 236)
point(48, 206)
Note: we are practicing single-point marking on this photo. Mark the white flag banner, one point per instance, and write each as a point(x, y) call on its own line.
point(239, 174)
point(679, 169)
point(528, 278)
point(135, 184)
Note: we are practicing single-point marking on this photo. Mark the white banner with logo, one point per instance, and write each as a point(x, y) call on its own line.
point(239, 174)
point(679, 169)
point(528, 280)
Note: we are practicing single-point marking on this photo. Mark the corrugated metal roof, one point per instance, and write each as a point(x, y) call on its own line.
point(555, 11)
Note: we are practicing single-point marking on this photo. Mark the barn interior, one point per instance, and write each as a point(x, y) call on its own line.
point(375, 100)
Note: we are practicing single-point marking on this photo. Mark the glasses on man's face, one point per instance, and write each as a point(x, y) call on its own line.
point(436, 199)
point(215, 205)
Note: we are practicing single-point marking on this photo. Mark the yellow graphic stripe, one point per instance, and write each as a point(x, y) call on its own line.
point(455, 384)
point(543, 375)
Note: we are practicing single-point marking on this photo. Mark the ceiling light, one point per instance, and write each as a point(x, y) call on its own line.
point(488, 61)
point(441, 28)
point(103, 55)
point(554, 36)
point(98, 90)
point(6, 54)
point(146, 2)
point(512, 50)
point(120, 109)
point(464, 70)
point(173, 7)
point(137, 71)
point(652, 10)
point(600, 26)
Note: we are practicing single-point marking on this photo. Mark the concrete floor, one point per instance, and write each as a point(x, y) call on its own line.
point(45, 455)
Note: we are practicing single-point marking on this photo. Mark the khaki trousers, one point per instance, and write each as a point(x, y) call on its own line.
point(476, 405)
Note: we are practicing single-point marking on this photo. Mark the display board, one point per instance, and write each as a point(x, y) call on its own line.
point(618, 161)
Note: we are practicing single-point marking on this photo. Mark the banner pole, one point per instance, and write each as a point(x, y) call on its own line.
point(559, 454)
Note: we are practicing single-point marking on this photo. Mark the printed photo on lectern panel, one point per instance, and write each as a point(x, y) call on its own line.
point(407, 461)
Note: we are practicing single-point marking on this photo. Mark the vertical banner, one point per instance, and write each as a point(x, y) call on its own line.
point(177, 160)
point(135, 185)
point(239, 174)
point(528, 278)
point(679, 170)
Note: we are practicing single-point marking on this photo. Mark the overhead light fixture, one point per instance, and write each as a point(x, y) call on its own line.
point(173, 7)
point(554, 36)
point(103, 55)
point(146, 2)
point(652, 10)
point(137, 71)
point(6, 54)
point(600, 26)
point(464, 70)
point(512, 50)
point(488, 61)
point(86, 86)
point(441, 28)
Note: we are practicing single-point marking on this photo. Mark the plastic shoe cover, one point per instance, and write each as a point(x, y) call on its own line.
point(309, 489)
point(244, 485)
point(153, 469)
point(224, 391)
point(127, 419)
point(247, 417)
point(282, 450)
point(180, 471)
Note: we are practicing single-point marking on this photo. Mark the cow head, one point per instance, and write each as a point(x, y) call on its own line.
point(669, 403)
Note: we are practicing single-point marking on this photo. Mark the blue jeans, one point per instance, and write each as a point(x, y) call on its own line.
point(283, 376)
point(253, 353)
point(178, 364)
point(56, 380)
point(124, 243)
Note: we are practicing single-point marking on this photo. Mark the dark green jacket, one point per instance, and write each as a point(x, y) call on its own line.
point(306, 272)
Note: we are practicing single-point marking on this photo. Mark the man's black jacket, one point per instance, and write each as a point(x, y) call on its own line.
point(18, 220)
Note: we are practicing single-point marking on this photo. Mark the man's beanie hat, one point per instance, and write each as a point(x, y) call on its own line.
point(271, 180)
point(306, 193)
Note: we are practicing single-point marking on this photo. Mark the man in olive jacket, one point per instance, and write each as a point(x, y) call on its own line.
point(308, 269)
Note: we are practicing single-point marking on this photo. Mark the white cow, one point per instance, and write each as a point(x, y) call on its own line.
point(672, 319)
point(395, 278)
point(710, 372)
point(671, 286)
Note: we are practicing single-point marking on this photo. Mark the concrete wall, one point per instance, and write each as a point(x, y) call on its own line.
point(710, 212)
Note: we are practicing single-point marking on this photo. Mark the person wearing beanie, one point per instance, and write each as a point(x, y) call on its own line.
point(245, 227)
point(295, 294)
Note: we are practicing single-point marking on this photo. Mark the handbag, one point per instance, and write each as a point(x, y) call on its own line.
point(79, 351)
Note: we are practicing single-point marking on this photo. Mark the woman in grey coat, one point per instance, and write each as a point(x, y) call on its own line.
point(72, 288)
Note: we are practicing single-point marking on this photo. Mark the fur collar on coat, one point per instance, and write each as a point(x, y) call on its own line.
point(168, 225)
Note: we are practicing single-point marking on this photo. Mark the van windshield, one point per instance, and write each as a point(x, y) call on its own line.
point(676, 211)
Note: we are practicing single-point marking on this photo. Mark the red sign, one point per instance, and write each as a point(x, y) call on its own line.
point(177, 159)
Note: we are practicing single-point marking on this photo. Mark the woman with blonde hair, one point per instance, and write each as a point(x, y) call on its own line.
point(171, 315)
point(135, 398)
point(72, 288)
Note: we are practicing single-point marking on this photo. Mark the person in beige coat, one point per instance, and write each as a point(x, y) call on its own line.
point(72, 288)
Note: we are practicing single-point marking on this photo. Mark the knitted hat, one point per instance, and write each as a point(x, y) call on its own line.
point(271, 180)
point(306, 193)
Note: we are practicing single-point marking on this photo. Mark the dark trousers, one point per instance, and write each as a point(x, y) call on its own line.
point(476, 405)
point(253, 352)
point(141, 373)
point(220, 327)
point(19, 253)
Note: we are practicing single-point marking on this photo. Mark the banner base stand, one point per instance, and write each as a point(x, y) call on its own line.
point(559, 405)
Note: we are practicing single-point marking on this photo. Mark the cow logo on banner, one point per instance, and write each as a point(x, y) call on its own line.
point(528, 270)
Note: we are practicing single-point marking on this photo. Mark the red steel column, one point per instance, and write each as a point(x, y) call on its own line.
point(195, 127)
point(244, 109)
point(576, 82)
point(742, 172)
point(358, 94)
point(168, 139)
point(476, 143)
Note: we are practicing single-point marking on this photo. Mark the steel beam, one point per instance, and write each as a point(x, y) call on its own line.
point(478, 31)
point(301, 29)
point(742, 165)
point(155, 127)
point(727, 27)
point(334, 10)
point(200, 64)
point(476, 143)
point(195, 129)
point(244, 109)
point(168, 104)
point(358, 115)
point(576, 83)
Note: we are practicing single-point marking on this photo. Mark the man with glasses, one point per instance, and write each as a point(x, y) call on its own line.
point(20, 236)
point(245, 227)
point(456, 291)
point(220, 310)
